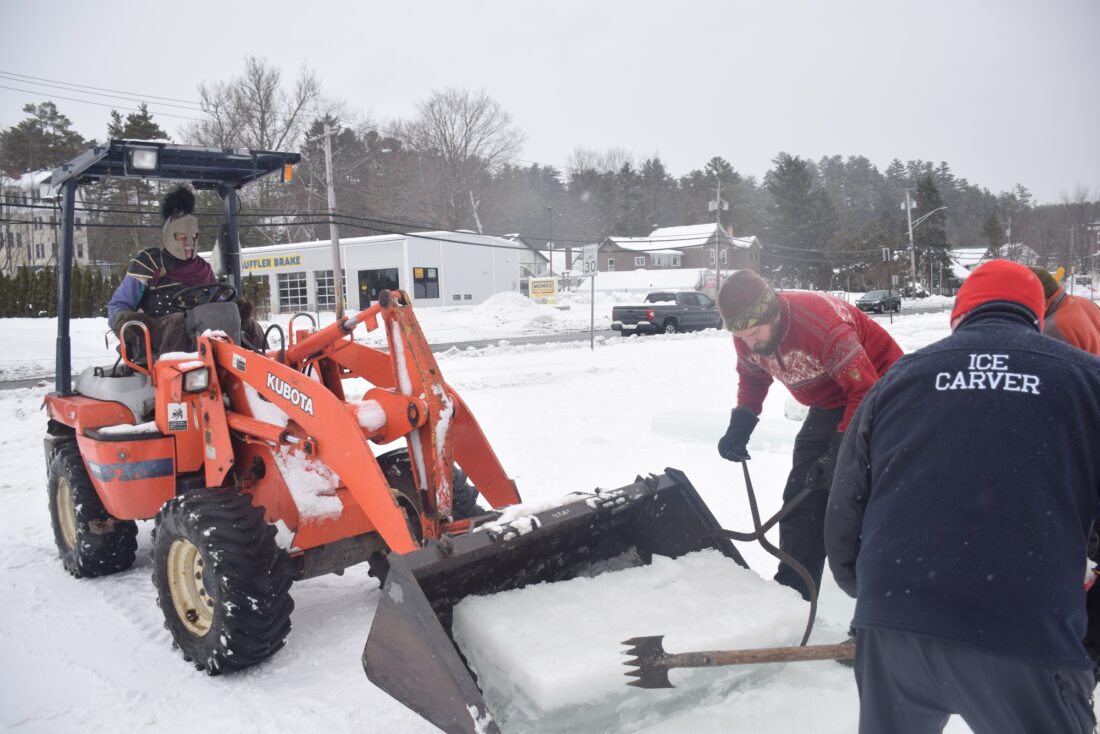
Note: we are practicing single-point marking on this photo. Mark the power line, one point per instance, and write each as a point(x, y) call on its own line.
point(103, 94)
point(74, 84)
point(101, 104)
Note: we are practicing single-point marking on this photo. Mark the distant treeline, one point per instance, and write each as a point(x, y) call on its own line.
point(454, 164)
point(35, 293)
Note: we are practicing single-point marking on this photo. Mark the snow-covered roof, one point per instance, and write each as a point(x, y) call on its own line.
point(671, 240)
point(27, 181)
point(642, 244)
point(965, 259)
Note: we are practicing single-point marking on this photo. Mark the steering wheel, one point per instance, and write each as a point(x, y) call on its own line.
point(197, 295)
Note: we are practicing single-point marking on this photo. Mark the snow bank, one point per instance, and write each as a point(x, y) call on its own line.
point(574, 679)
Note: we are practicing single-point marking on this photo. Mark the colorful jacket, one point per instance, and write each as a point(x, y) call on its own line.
point(153, 277)
point(965, 489)
point(829, 355)
point(1074, 320)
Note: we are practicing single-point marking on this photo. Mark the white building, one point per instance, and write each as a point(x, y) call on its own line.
point(435, 268)
point(30, 227)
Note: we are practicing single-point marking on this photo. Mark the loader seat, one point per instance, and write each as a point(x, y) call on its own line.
point(132, 389)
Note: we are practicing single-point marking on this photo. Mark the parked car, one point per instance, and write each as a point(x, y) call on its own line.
point(879, 301)
point(668, 312)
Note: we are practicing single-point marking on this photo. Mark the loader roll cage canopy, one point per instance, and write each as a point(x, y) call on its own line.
point(219, 169)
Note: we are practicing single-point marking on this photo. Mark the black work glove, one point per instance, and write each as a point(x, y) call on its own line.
point(123, 316)
point(820, 475)
point(732, 446)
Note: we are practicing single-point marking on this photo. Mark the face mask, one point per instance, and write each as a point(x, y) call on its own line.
point(186, 226)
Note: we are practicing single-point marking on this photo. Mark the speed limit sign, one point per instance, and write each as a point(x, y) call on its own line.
point(590, 266)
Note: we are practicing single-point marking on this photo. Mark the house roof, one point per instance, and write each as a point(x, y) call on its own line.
point(965, 259)
point(672, 240)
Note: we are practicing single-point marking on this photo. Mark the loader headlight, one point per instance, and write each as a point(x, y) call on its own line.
point(196, 380)
point(143, 159)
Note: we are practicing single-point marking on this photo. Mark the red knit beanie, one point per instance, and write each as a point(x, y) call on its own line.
point(1000, 280)
point(746, 300)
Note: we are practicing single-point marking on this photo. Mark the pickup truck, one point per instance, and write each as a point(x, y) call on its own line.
point(668, 312)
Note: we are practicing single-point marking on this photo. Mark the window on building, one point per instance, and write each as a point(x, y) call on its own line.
point(710, 256)
point(457, 297)
point(373, 282)
point(324, 293)
point(39, 250)
point(425, 282)
point(610, 264)
point(468, 297)
point(675, 261)
point(722, 256)
point(293, 292)
point(639, 261)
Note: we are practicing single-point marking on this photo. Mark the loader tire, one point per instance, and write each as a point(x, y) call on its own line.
point(398, 470)
point(222, 583)
point(89, 540)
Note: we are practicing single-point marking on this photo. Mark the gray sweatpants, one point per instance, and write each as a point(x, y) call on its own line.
point(911, 685)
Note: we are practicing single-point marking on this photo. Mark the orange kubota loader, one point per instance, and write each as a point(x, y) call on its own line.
point(259, 471)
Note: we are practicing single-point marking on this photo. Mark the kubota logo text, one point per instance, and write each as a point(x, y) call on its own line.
point(296, 397)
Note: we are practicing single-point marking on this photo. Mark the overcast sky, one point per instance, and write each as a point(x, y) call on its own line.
point(1005, 91)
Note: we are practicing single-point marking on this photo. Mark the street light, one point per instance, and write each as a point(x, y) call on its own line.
point(908, 205)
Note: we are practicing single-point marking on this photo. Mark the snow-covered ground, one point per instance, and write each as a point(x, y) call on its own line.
point(31, 342)
point(92, 655)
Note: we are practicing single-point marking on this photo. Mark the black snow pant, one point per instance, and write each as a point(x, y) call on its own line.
point(802, 532)
point(911, 685)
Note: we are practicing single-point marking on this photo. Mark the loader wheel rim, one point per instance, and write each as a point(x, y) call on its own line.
point(66, 512)
point(186, 575)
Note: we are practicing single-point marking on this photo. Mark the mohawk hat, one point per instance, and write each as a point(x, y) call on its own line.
point(745, 300)
point(1000, 280)
point(177, 212)
point(1050, 283)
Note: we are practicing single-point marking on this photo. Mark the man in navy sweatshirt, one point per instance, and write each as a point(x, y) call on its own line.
point(959, 518)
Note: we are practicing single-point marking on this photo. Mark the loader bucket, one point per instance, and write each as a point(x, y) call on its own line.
point(410, 652)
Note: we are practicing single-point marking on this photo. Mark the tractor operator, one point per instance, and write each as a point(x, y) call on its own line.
point(828, 354)
point(157, 274)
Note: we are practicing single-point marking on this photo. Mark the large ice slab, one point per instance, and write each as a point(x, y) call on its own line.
point(549, 657)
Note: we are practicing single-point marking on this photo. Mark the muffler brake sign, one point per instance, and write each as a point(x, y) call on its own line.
point(291, 394)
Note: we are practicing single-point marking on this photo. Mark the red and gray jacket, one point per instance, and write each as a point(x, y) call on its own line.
point(829, 356)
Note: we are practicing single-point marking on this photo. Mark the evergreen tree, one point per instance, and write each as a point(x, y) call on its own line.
point(930, 237)
point(994, 235)
point(136, 126)
point(43, 141)
point(803, 223)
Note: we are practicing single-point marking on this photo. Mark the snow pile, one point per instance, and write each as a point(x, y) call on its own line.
point(574, 679)
point(516, 310)
point(263, 409)
point(311, 483)
point(123, 429)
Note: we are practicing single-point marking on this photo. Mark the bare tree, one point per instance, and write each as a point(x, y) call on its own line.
point(1076, 207)
point(608, 161)
point(255, 110)
point(471, 136)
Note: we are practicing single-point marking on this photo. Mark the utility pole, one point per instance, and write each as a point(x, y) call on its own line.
point(1071, 278)
point(912, 249)
point(333, 227)
point(717, 206)
point(550, 238)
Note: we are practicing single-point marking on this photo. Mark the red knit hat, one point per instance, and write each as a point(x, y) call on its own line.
point(1000, 280)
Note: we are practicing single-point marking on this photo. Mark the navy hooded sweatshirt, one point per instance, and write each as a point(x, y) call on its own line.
point(965, 489)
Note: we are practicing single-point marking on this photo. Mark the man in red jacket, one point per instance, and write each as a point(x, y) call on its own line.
point(828, 354)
